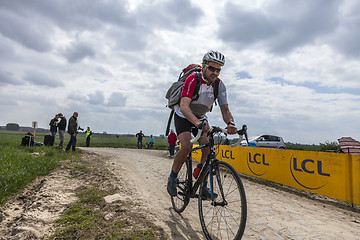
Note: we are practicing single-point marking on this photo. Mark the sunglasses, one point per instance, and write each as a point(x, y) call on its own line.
point(213, 69)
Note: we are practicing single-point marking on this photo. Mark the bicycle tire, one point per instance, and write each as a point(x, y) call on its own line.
point(182, 199)
point(224, 222)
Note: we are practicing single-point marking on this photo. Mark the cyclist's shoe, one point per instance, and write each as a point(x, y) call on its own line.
point(206, 194)
point(171, 186)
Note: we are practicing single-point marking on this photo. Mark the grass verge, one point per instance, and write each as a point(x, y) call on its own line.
point(90, 217)
point(20, 165)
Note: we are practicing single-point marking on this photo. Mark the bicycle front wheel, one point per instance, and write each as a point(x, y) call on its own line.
point(181, 200)
point(223, 216)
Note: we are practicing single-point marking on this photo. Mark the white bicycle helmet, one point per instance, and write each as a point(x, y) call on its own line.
point(214, 56)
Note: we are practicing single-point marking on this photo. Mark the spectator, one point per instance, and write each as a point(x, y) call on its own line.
point(172, 138)
point(88, 134)
point(139, 136)
point(151, 143)
point(53, 126)
point(62, 128)
point(72, 130)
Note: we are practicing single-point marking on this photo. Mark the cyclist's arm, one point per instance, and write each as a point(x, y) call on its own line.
point(186, 111)
point(227, 117)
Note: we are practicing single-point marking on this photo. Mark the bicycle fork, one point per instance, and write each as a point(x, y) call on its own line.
point(213, 169)
point(217, 174)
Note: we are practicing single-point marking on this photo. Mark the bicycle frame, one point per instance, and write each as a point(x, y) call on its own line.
point(208, 163)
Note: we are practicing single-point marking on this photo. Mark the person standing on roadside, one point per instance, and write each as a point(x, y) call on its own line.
point(139, 136)
point(172, 142)
point(53, 126)
point(88, 134)
point(62, 128)
point(72, 130)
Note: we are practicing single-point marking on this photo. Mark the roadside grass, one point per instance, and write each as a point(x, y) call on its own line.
point(90, 217)
point(20, 165)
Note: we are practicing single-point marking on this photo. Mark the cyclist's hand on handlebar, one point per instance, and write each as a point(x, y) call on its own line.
point(231, 129)
point(204, 125)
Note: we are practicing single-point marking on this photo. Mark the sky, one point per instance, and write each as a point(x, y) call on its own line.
point(292, 66)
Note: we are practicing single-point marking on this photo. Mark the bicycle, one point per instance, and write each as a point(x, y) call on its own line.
point(223, 216)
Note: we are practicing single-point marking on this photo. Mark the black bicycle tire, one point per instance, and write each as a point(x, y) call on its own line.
point(182, 199)
point(243, 207)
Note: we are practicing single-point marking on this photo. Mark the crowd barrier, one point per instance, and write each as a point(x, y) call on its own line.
point(335, 175)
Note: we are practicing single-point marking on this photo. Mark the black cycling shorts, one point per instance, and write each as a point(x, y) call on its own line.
point(184, 125)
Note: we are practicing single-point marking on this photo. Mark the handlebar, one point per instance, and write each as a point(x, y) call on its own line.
point(200, 132)
point(242, 132)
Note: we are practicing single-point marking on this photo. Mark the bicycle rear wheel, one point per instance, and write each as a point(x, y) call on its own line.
point(181, 200)
point(225, 217)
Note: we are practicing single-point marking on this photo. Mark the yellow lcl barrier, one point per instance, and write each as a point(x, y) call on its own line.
point(335, 175)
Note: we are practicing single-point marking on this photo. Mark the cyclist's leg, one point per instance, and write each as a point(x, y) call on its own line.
point(185, 149)
point(179, 160)
point(205, 151)
point(183, 186)
point(183, 129)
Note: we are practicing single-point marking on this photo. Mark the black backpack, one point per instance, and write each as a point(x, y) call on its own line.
point(174, 92)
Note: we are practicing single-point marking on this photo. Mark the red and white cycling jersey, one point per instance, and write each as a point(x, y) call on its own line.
point(203, 104)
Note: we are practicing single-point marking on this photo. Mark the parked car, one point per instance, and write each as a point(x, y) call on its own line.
point(268, 141)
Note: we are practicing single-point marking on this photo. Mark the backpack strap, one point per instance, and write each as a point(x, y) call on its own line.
point(216, 92)
point(169, 122)
point(216, 89)
point(197, 87)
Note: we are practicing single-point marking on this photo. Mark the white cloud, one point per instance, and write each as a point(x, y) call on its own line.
point(16, 27)
point(40, 79)
point(78, 51)
point(292, 67)
point(7, 78)
point(281, 26)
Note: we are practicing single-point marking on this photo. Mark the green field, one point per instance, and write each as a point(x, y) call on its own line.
point(97, 140)
point(117, 141)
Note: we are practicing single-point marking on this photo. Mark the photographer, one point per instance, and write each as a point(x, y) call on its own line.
point(53, 125)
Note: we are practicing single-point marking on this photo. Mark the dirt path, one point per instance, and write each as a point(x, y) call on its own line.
point(272, 213)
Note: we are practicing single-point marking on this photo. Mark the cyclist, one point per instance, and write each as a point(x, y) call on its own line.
point(189, 114)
